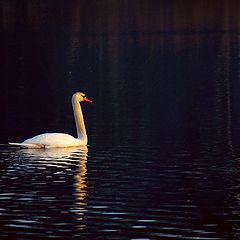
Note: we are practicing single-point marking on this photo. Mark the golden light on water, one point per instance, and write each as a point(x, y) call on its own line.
point(81, 188)
point(66, 158)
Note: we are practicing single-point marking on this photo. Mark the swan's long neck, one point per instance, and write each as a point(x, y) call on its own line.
point(79, 121)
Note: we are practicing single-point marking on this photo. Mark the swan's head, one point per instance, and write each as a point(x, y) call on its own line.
point(81, 97)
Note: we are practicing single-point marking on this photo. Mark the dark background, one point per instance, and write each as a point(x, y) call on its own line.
point(159, 72)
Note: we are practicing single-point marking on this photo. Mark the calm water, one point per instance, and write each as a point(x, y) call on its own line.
point(163, 156)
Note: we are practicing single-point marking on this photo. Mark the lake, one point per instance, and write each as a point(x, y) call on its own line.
point(163, 155)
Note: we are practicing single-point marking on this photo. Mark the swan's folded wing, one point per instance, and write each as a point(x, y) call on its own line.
point(27, 145)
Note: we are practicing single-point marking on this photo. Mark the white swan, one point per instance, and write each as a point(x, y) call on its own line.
point(53, 140)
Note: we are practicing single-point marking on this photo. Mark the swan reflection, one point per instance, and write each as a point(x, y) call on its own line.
point(55, 153)
point(81, 189)
point(68, 159)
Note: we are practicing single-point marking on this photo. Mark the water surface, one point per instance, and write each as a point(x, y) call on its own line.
point(123, 192)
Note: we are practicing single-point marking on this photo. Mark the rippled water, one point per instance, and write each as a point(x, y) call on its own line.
point(125, 192)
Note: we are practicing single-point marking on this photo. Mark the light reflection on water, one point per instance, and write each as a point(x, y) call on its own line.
point(36, 192)
point(116, 193)
point(64, 158)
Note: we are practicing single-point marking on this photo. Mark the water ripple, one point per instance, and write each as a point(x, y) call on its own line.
point(121, 193)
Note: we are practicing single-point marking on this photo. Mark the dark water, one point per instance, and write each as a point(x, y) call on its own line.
point(163, 156)
point(123, 192)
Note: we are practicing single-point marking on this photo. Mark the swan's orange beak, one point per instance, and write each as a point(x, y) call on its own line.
point(87, 100)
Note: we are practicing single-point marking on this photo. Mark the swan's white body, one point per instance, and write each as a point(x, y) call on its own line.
point(54, 140)
point(49, 140)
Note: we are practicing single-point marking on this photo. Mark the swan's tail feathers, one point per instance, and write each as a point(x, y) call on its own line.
point(26, 145)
